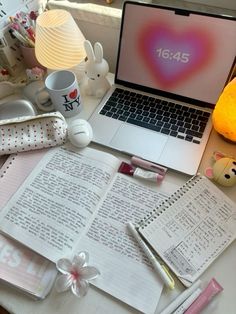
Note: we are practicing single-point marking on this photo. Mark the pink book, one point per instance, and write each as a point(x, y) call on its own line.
point(19, 266)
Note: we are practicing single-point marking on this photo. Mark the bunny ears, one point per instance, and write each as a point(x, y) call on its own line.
point(95, 55)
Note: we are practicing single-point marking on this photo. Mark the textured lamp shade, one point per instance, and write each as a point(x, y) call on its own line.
point(224, 114)
point(59, 42)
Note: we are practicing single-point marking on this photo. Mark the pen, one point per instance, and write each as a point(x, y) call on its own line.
point(148, 165)
point(186, 304)
point(181, 298)
point(160, 269)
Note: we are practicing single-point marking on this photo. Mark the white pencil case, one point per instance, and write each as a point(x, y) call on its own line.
point(32, 132)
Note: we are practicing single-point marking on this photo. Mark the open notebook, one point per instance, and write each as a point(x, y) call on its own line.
point(171, 68)
point(66, 200)
point(191, 228)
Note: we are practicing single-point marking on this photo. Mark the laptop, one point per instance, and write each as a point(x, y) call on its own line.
point(172, 65)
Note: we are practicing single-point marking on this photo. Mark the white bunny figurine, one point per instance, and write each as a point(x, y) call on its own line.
point(96, 69)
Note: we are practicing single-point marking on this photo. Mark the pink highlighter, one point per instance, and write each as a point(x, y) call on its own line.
point(212, 289)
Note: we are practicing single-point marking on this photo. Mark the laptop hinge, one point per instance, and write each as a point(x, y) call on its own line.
point(182, 12)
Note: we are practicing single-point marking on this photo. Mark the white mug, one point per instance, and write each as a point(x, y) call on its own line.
point(63, 89)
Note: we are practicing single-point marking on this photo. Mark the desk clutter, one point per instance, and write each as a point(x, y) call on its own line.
point(67, 200)
point(23, 27)
point(86, 214)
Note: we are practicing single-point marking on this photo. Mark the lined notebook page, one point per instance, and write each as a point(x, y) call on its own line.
point(22, 268)
point(194, 226)
point(15, 170)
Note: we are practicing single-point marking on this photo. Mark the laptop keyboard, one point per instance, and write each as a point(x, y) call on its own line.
point(158, 115)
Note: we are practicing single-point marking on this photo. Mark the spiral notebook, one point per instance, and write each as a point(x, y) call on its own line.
point(191, 228)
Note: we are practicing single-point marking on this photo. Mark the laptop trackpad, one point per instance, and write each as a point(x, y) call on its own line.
point(138, 141)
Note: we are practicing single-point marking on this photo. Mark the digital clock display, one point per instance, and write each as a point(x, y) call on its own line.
point(173, 56)
point(179, 56)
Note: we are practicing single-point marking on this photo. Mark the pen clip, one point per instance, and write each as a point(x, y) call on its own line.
point(172, 282)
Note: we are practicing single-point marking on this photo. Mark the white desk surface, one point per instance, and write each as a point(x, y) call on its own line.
point(98, 302)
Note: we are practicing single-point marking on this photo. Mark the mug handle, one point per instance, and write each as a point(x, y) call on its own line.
point(43, 108)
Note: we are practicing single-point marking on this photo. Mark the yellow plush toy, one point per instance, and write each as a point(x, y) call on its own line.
point(224, 114)
point(223, 170)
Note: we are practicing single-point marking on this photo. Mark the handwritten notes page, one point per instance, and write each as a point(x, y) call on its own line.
point(116, 252)
point(52, 207)
point(77, 201)
point(193, 230)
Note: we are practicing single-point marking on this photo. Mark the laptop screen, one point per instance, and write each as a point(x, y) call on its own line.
point(189, 54)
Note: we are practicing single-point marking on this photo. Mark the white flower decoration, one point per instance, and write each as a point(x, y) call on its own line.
point(75, 274)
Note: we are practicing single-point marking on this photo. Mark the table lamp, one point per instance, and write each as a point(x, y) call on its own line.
point(59, 43)
point(224, 114)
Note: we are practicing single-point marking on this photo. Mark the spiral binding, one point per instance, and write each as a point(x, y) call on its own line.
point(7, 165)
point(155, 213)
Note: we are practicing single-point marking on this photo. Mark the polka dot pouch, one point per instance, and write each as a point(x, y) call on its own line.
point(32, 132)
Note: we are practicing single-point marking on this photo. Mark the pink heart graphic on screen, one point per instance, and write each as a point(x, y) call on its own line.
point(173, 57)
point(73, 94)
